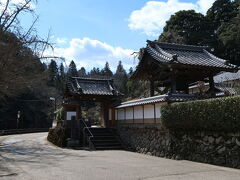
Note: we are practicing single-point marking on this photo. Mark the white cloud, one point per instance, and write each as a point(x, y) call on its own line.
point(12, 4)
point(151, 18)
point(31, 4)
point(61, 40)
point(91, 53)
point(204, 5)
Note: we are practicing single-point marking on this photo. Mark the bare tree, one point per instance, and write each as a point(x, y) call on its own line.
point(20, 51)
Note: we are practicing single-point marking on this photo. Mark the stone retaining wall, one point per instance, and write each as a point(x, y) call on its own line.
point(208, 147)
point(58, 136)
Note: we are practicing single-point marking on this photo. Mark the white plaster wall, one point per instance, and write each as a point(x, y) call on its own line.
point(138, 112)
point(70, 114)
point(129, 113)
point(158, 110)
point(120, 115)
point(148, 111)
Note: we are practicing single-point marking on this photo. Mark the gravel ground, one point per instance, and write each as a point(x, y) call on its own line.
point(31, 156)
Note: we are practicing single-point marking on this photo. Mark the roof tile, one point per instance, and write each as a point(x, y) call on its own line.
point(185, 54)
point(92, 86)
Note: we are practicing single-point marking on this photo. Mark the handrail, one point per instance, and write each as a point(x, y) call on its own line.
point(86, 127)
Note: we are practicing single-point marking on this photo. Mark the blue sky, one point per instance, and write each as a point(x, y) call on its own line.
point(91, 32)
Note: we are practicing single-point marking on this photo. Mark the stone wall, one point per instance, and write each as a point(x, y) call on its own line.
point(208, 147)
point(58, 136)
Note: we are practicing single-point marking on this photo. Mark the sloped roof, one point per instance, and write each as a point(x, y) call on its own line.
point(220, 89)
point(185, 54)
point(92, 86)
point(156, 99)
point(227, 76)
point(228, 90)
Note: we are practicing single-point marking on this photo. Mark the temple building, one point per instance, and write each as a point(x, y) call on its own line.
point(177, 67)
point(80, 90)
point(170, 65)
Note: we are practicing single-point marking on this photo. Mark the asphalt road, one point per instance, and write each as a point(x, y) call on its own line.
point(30, 156)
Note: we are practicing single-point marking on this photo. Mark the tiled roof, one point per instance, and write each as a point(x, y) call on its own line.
point(220, 89)
point(185, 54)
point(92, 86)
point(228, 90)
point(161, 98)
point(227, 76)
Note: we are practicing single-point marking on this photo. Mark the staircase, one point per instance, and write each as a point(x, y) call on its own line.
point(104, 139)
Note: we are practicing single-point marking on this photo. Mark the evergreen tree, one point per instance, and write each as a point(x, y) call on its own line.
point(229, 37)
point(130, 71)
point(61, 71)
point(187, 27)
point(95, 73)
point(61, 78)
point(218, 29)
point(131, 84)
point(222, 15)
point(72, 70)
point(53, 72)
point(82, 72)
point(106, 71)
point(136, 88)
point(98, 72)
point(221, 11)
point(44, 66)
point(120, 68)
point(121, 78)
point(92, 73)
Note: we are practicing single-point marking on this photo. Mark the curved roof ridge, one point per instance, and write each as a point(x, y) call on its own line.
point(92, 86)
point(143, 99)
point(186, 45)
point(178, 46)
point(170, 56)
point(226, 62)
point(156, 99)
point(93, 79)
point(78, 85)
point(152, 50)
point(214, 57)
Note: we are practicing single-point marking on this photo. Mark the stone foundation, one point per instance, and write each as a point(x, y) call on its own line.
point(58, 136)
point(207, 147)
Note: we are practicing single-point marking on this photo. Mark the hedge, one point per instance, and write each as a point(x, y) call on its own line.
point(220, 114)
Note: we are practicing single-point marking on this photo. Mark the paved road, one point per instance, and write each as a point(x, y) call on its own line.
point(30, 156)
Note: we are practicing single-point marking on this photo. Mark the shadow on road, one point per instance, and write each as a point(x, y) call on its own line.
point(33, 153)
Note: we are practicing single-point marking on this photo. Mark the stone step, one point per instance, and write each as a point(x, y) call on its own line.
point(104, 139)
point(109, 148)
point(103, 143)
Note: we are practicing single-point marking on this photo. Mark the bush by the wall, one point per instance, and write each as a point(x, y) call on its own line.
point(220, 114)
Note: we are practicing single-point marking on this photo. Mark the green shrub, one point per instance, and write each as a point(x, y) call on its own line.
point(220, 114)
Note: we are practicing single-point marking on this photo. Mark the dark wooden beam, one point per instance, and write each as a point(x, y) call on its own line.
point(173, 82)
point(211, 86)
point(105, 113)
point(173, 86)
point(151, 88)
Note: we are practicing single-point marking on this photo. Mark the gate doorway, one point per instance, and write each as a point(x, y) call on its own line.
point(90, 99)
